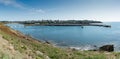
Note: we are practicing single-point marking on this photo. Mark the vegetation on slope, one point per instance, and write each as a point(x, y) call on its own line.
point(29, 48)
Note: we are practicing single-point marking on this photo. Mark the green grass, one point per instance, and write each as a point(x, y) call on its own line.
point(4, 55)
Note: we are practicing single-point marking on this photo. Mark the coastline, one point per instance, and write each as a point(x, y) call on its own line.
point(28, 37)
point(80, 48)
point(41, 50)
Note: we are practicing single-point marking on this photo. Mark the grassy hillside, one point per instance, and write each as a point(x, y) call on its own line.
point(15, 45)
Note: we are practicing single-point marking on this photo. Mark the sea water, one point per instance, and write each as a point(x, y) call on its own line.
point(84, 38)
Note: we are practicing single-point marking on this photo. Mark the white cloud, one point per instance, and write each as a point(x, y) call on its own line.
point(40, 11)
point(36, 11)
point(13, 3)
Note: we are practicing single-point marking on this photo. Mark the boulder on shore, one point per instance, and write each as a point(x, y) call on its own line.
point(109, 48)
point(47, 42)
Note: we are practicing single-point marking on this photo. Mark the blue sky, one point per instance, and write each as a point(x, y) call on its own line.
point(102, 10)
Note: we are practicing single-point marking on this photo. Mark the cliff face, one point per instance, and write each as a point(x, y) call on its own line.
point(14, 45)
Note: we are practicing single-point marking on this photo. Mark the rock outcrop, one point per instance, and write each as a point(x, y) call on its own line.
point(109, 48)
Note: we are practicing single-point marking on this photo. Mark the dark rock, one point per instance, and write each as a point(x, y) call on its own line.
point(109, 48)
point(47, 42)
point(73, 49)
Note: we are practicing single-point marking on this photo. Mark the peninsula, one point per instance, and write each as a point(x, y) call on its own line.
point(60, 23)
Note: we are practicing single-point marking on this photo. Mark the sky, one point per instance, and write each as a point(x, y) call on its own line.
point(100, 10)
